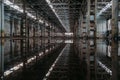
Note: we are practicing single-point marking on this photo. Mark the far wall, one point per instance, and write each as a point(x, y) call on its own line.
point(101, 26)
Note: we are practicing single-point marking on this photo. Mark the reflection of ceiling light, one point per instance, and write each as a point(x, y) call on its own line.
point(105, 8)
point(53, 65)
point(6, 73)
point(17, 67)
point(104, 67)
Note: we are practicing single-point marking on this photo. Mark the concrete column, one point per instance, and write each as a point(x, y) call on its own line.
point(88, 17)
point(2, 40)
point(1, 59)
point(88, 32)
point(95, 19)
point(95, 42)
point(114, 51)
point(27, 28)
point(114, 22)
point(23, 21)
point(1, 18)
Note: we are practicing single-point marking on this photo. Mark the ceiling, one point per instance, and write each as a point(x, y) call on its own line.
point(64, 13)
point(61, 7)
point(67, 11)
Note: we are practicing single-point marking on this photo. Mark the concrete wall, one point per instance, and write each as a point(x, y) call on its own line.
point(7, 25)
point(101, 49)
point(101, 26)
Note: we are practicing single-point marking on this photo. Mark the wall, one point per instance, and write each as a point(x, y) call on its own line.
point(101, 26)
point(7, 25)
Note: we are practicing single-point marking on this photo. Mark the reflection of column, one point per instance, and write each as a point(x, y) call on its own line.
point(91, 59)
point(34, 44)
point(48, 33)
point(1, 18)
point(44, 45)
point(54, 33)
point(78, 33)
point(114, 56)
point(23, 52)
point(88, 61)
point(1, 59)
point(11, 49)
point(27, 46)
point(49, 37)
point(34, 31)
point(114, 47)
point(88, 26)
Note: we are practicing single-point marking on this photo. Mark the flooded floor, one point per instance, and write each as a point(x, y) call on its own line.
point(57, 59)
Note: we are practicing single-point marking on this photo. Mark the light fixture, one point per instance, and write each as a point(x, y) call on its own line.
point(105, 8)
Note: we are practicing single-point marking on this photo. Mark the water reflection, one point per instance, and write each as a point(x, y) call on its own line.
point(99, 59)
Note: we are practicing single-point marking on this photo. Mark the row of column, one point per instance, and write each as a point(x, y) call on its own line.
point(24, 23)
point(87, 29)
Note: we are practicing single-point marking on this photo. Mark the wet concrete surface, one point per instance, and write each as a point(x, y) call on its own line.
point(81, 60)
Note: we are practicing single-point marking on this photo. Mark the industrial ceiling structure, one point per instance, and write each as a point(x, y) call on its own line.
point(63, 13)
point(61, 8)
point(67, 11)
